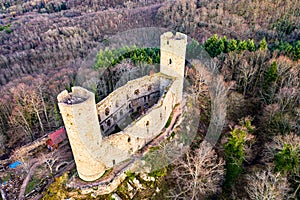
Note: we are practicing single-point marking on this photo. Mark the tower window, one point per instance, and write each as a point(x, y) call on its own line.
point(170, 61)
point(108, 123)
point(136, 92)
point(106, 111)
point(147, 124)
point(128, 140)
point(102, 127)
point(149, 87)
point(168, 42)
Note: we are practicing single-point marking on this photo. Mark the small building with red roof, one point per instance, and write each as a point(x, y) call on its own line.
point(55, 138)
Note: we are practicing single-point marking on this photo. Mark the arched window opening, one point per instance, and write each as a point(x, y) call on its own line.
point(170, 61)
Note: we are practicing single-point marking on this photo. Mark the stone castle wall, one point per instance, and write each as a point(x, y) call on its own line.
point(136, 135)
point(136, 113)
point(127, 103)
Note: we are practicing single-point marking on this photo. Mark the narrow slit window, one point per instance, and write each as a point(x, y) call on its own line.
point(170, 61)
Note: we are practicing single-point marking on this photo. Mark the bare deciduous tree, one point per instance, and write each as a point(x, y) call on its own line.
point(198, 174)
point(278, 144)
point(266, 185)
point(50, 159)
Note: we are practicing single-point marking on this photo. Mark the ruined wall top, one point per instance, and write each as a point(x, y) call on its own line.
point(77, 96)
point(177, 36)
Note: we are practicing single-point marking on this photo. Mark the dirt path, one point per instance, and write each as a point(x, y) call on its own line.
point(27, 179)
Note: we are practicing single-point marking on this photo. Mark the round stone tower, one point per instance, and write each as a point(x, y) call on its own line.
point(78, 110)
point(172, 59)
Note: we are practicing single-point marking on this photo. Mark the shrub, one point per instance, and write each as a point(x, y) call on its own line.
point(235, 150)
point(6, 28)
point(214, 46)
point(263, 45)
point(235, 155)
point(57, 190)
point(287, 160)
point(242, 45)
point(250, 45)
point(296, 50)
point(270, 75)
point(232, 45)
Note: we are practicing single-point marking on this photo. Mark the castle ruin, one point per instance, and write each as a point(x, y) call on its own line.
point(104, 134)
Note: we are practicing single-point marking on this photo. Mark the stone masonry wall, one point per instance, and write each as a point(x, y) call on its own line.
point(125, 143)
point(128, 102)
point(154, 97)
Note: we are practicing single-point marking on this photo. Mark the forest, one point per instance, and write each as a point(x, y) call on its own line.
point(256, 48)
